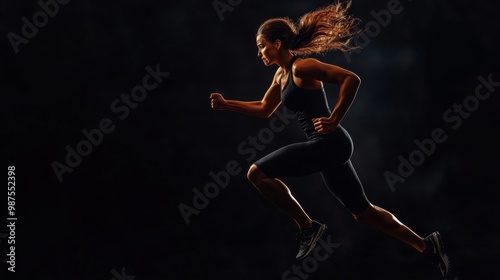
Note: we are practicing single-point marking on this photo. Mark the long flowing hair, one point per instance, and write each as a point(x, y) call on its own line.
point(319, 31)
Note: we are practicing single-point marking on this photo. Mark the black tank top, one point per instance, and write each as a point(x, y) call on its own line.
point(307, 104)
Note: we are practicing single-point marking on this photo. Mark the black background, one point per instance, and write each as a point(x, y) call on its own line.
point(117, 211)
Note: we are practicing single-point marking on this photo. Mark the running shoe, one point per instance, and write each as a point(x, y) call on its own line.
point(308, 237)
point(437, 255)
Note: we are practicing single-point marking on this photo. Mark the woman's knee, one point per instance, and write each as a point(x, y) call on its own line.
point(254, 174)
point(365, 215)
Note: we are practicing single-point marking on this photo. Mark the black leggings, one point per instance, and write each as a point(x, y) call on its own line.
point(329, 156)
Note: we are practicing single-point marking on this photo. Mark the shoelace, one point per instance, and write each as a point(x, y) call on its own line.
point(300, 236)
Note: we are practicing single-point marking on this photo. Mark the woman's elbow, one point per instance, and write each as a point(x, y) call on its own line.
point(354, 80)
point(266, 110)
point(266, 113)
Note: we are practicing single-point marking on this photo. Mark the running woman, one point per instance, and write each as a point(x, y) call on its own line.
point(298, 84)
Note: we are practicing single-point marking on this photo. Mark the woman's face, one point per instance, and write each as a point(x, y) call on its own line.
point(267, 51)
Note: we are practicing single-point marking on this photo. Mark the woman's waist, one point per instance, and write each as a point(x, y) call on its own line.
point(338, 133)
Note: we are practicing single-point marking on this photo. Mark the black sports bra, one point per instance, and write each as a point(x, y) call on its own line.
point(307, 104)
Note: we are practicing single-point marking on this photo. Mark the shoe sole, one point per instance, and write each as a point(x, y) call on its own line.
point(319, 233)
point(438, 243)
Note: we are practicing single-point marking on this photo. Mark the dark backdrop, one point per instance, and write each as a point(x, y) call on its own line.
point(116, 214)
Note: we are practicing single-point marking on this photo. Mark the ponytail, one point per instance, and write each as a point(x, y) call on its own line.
point(325, 29)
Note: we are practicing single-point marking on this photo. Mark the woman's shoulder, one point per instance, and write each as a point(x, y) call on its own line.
point(306, 62)
point(302, 66)
point(277, 75)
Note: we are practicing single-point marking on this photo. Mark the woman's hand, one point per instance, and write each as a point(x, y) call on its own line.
point(324, 125)
point(217, 101)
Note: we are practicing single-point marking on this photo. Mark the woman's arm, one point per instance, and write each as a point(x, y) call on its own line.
point(262, 108)
point(349, 84)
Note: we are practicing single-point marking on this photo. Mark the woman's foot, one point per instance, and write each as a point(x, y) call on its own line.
point(307, 238)
point(437, 255)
